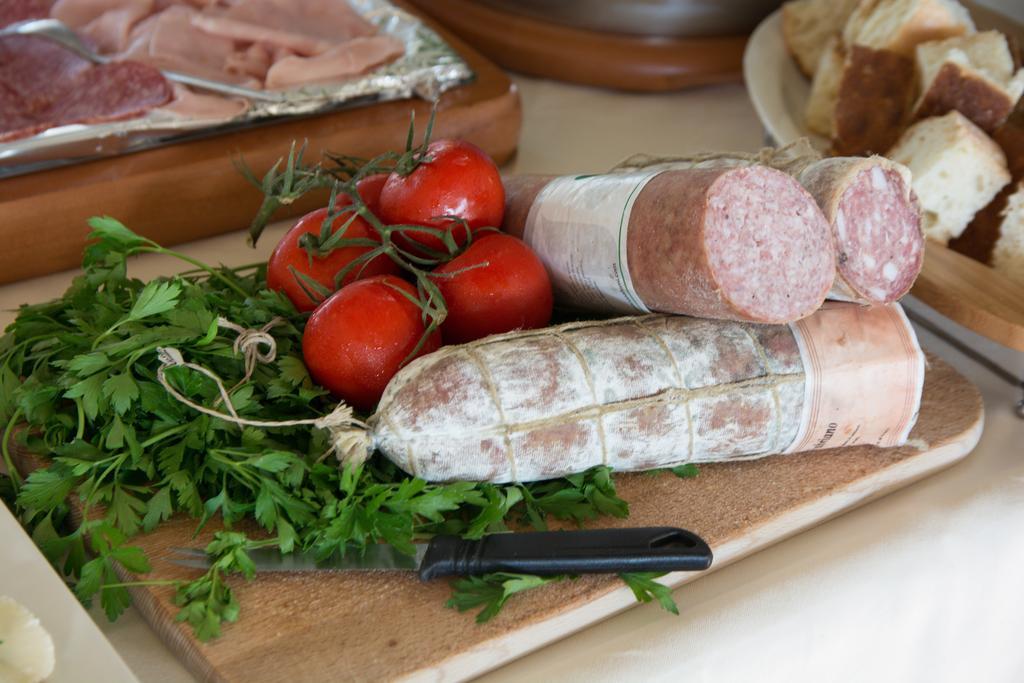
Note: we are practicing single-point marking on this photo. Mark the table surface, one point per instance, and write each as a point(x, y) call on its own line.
point(923, 585)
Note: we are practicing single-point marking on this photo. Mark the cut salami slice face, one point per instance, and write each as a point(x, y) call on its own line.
point(876, 221)
point(767, 245)
point(874, 215)
point(12, 11)
point(43, 86)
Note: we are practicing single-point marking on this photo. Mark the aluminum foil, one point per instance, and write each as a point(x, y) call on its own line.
point(428, 68)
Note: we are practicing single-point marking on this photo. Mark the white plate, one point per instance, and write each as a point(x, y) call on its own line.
point(83, 654)
point(777, 89)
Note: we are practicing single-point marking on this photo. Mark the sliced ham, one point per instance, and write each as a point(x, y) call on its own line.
point(253, 61)
point(105, 23)
point(224, 27)
point(78, 13)
point(42, 85)
point(340, 63)
point(111, 30)
point(196, 106)
point(308, 28)
point(168, 40)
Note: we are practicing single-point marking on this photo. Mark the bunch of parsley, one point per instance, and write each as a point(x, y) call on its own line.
point(78, 387)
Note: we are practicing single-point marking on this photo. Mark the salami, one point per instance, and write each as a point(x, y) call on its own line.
point(12, 11)
point(43, 85)
point(876, 221)
point(747, 244)
point(874, 214)
point(645, 392)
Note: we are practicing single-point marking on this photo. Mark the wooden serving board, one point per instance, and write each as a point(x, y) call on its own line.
point(972, 294)
point(385, 626)
point(190, 190)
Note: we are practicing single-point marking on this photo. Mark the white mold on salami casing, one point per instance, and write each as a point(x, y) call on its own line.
point(632, 393)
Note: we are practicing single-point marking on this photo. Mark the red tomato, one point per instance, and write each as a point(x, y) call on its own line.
point(355, 342)
point(458, 180)
point(369, 191)
point(289, 253)
point(512, 291)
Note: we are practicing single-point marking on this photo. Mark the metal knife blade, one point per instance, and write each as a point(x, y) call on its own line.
point(378, 556)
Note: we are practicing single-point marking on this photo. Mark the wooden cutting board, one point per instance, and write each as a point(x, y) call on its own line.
point(190, 190)
point(385, 626)
point(972, 294)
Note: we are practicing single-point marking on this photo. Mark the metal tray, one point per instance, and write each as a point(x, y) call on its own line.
point(429, 67)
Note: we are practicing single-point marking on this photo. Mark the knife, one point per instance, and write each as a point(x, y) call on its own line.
point(593, 551)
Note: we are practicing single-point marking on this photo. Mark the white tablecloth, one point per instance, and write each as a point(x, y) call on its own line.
point(926, 584)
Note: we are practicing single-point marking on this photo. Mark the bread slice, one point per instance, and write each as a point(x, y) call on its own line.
point(900, 25)
point(979, 239)
point(1008, 254)
point(821, 103)
point(957, 170)
point(972, 74)
point(807, 26)
point(873, 101)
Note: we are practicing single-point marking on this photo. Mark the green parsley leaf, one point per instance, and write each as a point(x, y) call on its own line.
point(112, 230)
point(687, 471)
point(158, 508)
point(121, 390)
point(45, 489)
point(124, 511)
point(491, 591)
point(88, 363)
point(645, 588)
point(156, 297)
point(90, 390)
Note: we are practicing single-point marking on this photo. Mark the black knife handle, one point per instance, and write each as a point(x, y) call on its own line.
point(596, 551)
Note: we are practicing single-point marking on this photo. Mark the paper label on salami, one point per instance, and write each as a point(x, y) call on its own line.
point(864, 376)
point(578, 225)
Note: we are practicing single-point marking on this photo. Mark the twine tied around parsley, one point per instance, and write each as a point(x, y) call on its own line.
point(350, 437)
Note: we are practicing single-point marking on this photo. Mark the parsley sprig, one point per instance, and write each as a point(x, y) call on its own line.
point(78, 387)
point(80, 373)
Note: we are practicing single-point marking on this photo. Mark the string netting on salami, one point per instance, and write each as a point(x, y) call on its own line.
point(651, 391)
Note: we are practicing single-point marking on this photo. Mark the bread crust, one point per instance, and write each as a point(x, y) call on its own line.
point(968, 92)
point(979, 239)
point(874, 101)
